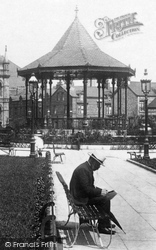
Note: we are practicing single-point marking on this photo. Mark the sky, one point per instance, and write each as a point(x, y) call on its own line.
point(31, 28)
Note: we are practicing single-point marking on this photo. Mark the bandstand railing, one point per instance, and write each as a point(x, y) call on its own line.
point(115, 123)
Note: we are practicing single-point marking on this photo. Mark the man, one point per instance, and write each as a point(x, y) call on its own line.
point(84, 192)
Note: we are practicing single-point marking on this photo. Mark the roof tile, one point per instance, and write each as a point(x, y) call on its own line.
point(75, 48)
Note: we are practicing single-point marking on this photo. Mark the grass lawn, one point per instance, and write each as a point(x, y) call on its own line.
point(22, 194)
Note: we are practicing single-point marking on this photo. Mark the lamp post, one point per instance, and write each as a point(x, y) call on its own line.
point(146, 88)
point(33, 82)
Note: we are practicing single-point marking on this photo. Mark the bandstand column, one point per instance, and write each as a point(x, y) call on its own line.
point(118, 103)
point(42, 97)
point(68, 99)
point(113, 84)
point(50, 101)
point(103, 97)
point(85, 96)
point(99, 81)
point(45, 104)
point(126, 86)
point(26, 85)
point(118, 97)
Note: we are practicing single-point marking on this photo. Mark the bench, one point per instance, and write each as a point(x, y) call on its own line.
point(57, 154)
point(7, 150)
point(88, 214)
point(134, 155)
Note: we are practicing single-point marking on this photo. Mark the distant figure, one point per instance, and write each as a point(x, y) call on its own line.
point(39, 144)
point(40, 152)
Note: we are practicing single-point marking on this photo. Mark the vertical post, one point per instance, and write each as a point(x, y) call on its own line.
point(33, 83)
point(27, 102)
point(99, 98)
point(103, 98)
point(50, 85)
point(45, 106)
point(32, 142)
point(118, 104)
point(146, 88)
point(42, 98)
point(126, 85)
point(50, 103)
point(146, 114)
point(113, 83)
point(118, 97)
point(146, 143)
point(37, 104)
point(85, 96)
point(68, 99)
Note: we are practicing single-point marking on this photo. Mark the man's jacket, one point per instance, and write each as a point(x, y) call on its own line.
point(82, 184)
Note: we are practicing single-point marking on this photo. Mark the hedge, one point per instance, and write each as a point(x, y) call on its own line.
point(23, 193)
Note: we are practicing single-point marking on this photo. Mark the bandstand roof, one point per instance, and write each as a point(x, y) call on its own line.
point(76, 52)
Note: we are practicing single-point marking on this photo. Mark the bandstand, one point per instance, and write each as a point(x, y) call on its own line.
point(77, 57)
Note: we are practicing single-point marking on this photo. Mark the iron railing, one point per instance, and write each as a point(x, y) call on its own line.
point(113, 123)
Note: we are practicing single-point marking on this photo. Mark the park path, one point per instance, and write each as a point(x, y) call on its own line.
point(134, 206)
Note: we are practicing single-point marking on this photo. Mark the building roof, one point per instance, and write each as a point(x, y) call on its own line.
point(136, 88)
point(92, 91)
point(16, 83)
point(72, 90)
point(152, 105)
point(15, 93)
point(1, 59)
point(15, 80)
point(76, 48)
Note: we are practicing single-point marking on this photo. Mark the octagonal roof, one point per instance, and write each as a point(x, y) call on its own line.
point(76, 50)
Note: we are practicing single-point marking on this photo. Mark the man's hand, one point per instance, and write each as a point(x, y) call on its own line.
point(104, 192)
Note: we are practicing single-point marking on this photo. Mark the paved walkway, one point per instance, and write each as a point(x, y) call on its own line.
point(134, 206)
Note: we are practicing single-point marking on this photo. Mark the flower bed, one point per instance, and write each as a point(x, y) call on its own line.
point(22, 191)
point(151, 163)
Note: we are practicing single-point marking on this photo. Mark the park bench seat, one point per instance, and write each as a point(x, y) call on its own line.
point(134, 155)
point(57, 154)
point(86, 213)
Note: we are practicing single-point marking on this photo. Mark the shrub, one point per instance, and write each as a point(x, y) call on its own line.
point(20, 192)
point(151, 163)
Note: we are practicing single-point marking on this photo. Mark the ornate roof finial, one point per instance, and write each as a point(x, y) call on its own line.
point(76, 11)
point(5, 55)
point(145, 72)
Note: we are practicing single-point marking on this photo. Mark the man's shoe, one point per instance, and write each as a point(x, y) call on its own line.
point(106, 231)
point(111, 226)
point(83, 221)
